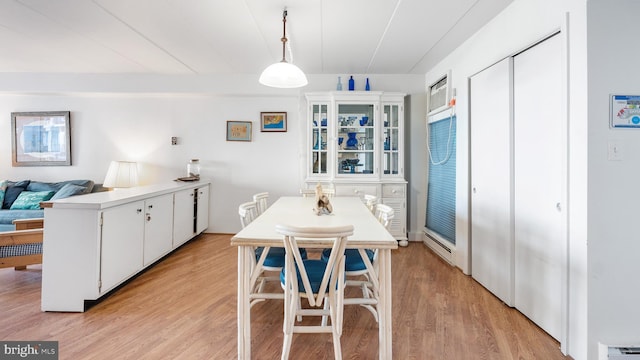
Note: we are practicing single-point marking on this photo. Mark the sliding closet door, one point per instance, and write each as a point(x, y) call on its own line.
point(491, 149)
point(539, 175)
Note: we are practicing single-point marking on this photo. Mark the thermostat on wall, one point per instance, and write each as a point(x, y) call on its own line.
point(625, 111)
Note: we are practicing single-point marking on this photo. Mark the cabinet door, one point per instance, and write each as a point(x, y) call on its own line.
point(319, 139)
point(202, 217)
point(491, 174)
point(158, 227)
point(183, 219)
point(397, 226)
point(121, 244)
point(356, 154)
point(393, 140)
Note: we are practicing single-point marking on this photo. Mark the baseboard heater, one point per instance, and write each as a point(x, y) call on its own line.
point(439, 247)
point(624, 353)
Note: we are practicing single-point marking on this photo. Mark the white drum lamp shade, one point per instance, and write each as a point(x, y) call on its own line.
point(121, 174)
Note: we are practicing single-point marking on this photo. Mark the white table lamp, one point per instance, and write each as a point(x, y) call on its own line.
point(121, 174)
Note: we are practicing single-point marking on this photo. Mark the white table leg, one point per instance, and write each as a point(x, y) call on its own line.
point(244, 308)
point(384, 305)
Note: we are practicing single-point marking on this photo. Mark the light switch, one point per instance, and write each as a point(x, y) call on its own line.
point(615, 151)
point(174, 140)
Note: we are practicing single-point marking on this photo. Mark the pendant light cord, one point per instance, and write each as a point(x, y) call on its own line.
point(284, 34)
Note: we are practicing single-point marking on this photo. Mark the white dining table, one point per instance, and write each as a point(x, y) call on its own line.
point(298, 211)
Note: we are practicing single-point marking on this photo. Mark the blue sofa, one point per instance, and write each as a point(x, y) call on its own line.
point(21, 199)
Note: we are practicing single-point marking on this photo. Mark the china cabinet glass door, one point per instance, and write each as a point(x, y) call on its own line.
point(390, 132)
point(355, 139)
point(319, 137)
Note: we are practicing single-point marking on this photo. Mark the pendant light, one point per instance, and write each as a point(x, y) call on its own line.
point(283, 74)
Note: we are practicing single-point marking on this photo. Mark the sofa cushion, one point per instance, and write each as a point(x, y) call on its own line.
point(13, 190)
point(69, 190)
point(7, 227)
point(30, 200)
point(3, 188)
point(7, 216)
point(57, 186)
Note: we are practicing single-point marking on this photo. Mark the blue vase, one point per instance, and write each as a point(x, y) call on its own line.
point(352, 84)
point(352, 141)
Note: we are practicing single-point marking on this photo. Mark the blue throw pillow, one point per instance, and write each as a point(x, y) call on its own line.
point(13, 190)
point(3, 188)
point(69, 190)
point(30, 200)
point(57, 186)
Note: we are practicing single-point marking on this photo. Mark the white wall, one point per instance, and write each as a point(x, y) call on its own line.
point(519, 26)
point(614, 265)
point(416, 164)
point(133, 117)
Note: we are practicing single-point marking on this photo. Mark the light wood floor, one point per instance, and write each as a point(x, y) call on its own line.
point(185, 308)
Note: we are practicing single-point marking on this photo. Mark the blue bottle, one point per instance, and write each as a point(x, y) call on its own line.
point(367, 87)
point(352, 84)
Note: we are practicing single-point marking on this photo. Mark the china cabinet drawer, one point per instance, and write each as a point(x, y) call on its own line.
point(393, 190)
point(356, 190)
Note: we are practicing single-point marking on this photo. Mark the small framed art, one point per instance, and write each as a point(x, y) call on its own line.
point(238, 130)
point(41, 138)
point(273, 121)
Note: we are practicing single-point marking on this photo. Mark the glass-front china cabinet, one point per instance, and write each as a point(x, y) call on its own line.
point(355, 144)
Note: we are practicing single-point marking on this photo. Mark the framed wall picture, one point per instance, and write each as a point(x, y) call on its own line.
point(238, 130)
point(41, 138)
point(273, 121)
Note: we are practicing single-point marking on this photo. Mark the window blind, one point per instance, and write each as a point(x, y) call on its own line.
point(441, 184)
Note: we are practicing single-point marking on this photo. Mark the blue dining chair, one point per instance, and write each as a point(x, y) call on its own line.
point(261, 200)
point(316, 280)
point(362, 273)
point(266, 259)
point(371, 201)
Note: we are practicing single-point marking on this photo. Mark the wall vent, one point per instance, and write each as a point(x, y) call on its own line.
point(624, 353)
point(441, 247)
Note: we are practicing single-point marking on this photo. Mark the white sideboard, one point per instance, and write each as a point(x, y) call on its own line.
point(95, 242)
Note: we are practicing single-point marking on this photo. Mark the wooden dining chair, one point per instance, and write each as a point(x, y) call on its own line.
point(363, 273)
point(266, 259)
point(330, 192)
point(316, 280)
point(261, 200)
point(371, 201)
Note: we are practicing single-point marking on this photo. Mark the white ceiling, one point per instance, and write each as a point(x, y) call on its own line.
point(234, 36)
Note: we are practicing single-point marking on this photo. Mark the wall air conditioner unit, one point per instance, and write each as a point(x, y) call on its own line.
point(439, 95)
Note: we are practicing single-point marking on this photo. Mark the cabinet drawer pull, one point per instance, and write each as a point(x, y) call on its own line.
point(138, 211)
point(148, 217)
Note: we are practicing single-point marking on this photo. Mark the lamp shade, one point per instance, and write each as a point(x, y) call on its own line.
point(283, 75)
point(121, 174)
